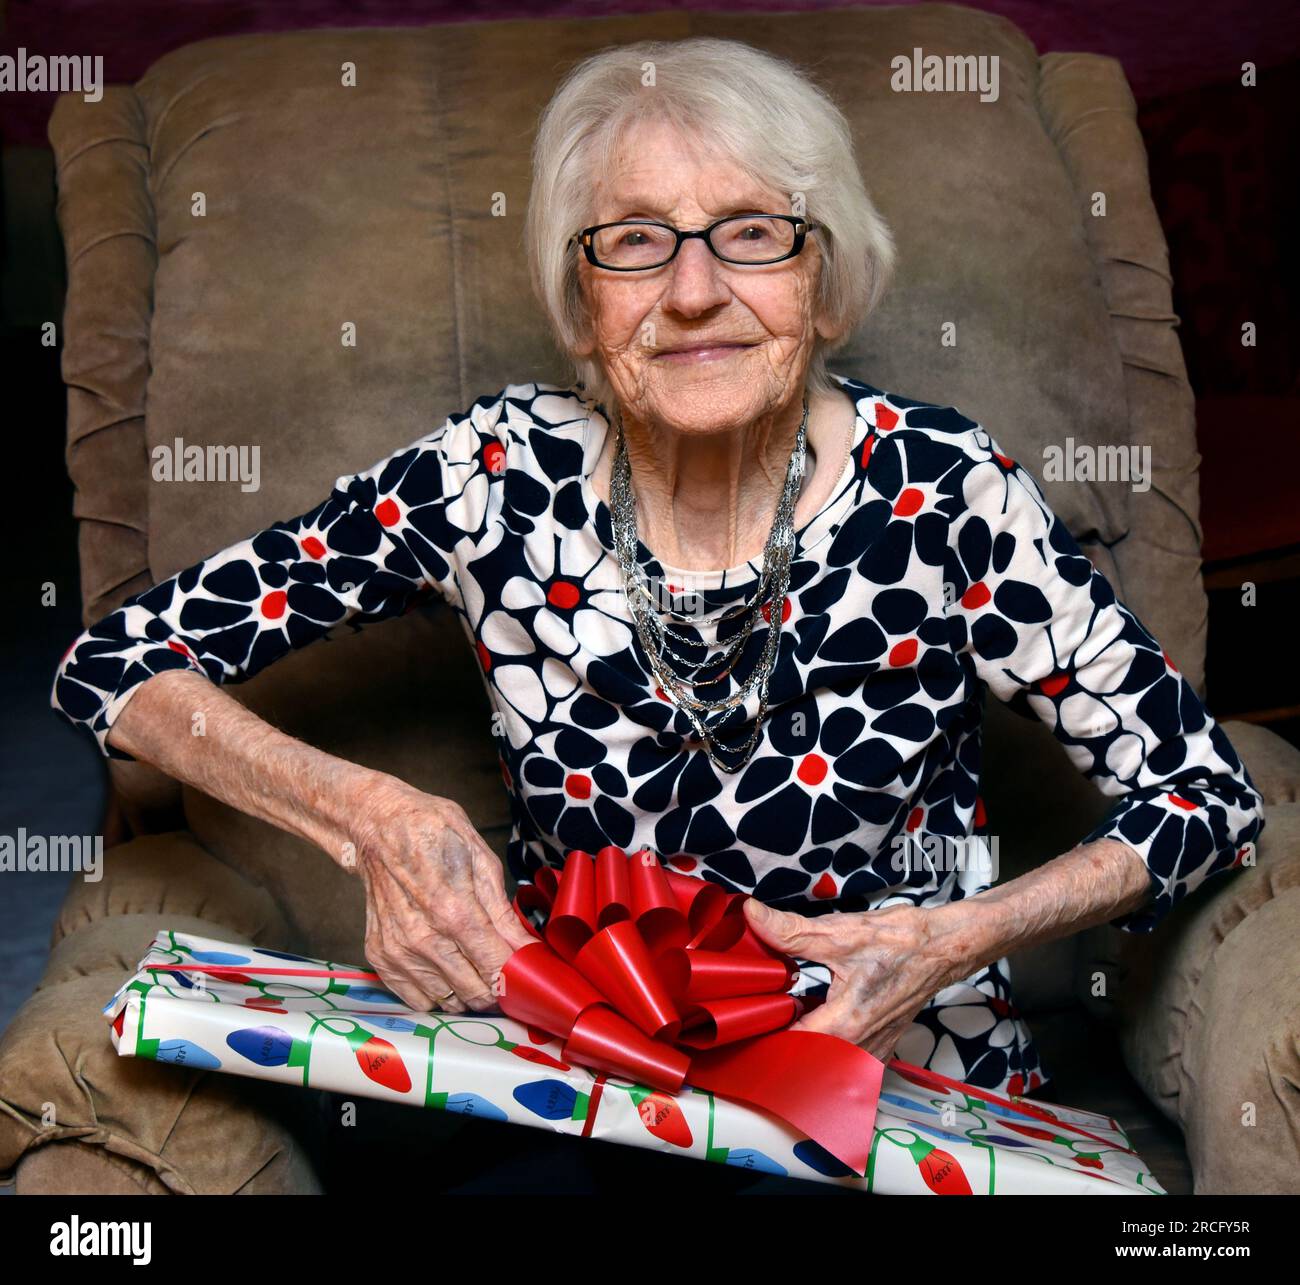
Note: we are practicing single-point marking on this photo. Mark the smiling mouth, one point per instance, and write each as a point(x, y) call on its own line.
point(702, 352)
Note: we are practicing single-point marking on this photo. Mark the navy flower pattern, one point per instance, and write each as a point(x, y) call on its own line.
point(936, 571)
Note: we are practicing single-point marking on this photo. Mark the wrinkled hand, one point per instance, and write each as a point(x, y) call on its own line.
point(885, 966)
point(439, 926)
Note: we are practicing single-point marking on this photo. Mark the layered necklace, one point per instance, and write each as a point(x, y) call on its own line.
point(657, 636)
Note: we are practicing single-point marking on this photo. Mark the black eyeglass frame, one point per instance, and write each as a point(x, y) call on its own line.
point(587, 237)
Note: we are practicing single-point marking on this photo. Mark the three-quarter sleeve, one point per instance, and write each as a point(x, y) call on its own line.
point(1046, 633)
point(382, 541)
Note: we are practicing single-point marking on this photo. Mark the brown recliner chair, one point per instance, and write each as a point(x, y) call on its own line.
point(396, 204)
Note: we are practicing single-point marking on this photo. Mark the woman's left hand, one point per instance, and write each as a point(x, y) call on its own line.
point(885, 966)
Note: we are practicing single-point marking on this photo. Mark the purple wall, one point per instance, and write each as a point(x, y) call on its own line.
point(1166, 46)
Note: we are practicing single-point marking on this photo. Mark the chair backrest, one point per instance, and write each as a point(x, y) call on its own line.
point(229, 215)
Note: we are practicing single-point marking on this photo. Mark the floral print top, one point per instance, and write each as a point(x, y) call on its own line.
point(935, 571)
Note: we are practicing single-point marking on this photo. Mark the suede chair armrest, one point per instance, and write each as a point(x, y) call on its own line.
point(1207, 1010)
point(1273, 764)
point(75, 1118)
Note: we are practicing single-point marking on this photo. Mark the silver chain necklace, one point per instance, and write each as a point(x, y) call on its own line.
point(654, 633)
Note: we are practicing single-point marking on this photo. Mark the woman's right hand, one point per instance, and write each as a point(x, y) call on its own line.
point(439, 926)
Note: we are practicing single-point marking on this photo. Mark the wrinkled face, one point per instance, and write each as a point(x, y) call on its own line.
point(757, 323)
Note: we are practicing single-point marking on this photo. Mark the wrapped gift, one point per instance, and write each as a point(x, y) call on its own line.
point(215, 1006)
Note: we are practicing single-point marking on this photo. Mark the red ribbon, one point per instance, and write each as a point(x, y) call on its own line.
point(656, 976)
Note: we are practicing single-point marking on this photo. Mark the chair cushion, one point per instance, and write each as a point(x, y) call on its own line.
point(165, 876)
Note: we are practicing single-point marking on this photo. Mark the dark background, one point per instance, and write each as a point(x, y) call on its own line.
point(1223, 163)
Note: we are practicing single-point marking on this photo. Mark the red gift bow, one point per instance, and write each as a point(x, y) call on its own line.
point(657, 977)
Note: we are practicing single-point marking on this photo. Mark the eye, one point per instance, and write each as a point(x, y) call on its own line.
point(749, 233)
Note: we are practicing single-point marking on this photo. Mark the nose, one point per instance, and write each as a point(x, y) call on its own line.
point(695, 282)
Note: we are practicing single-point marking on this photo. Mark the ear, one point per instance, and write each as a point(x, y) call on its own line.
point(827, 327)
point(829, 331)
point(585, 344)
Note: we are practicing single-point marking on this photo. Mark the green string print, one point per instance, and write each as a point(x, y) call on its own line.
point(178, 1052)
point(1036, 1141)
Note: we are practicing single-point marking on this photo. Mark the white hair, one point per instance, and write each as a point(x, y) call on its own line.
point(760, 112)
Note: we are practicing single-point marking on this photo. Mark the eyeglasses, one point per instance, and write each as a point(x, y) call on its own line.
point(637, 245)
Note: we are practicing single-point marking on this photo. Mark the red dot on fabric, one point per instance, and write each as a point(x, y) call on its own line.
point(885, 418)
point(1004, 461)
point(578, 786)
point(914, 818)
point(981, 817)
point(1169, 662)
point(562, 594)
point(663, 695)
point(903, 653)
point(494, 457)
point(682, 862)
point(785, 611)
point(274, 603)
point(484, 656)
point(388, 513)
point(909, 502)
point(1050, 686)
point(866, 449)
point(1016, 1084)
point(1034, 1079)
point(180, 647)
point(825, 886)
point(813, 769)
point(313, 547)
point(1179, 801)
point(976, 596)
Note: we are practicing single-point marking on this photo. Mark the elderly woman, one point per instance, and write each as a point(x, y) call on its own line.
point(727, 606)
